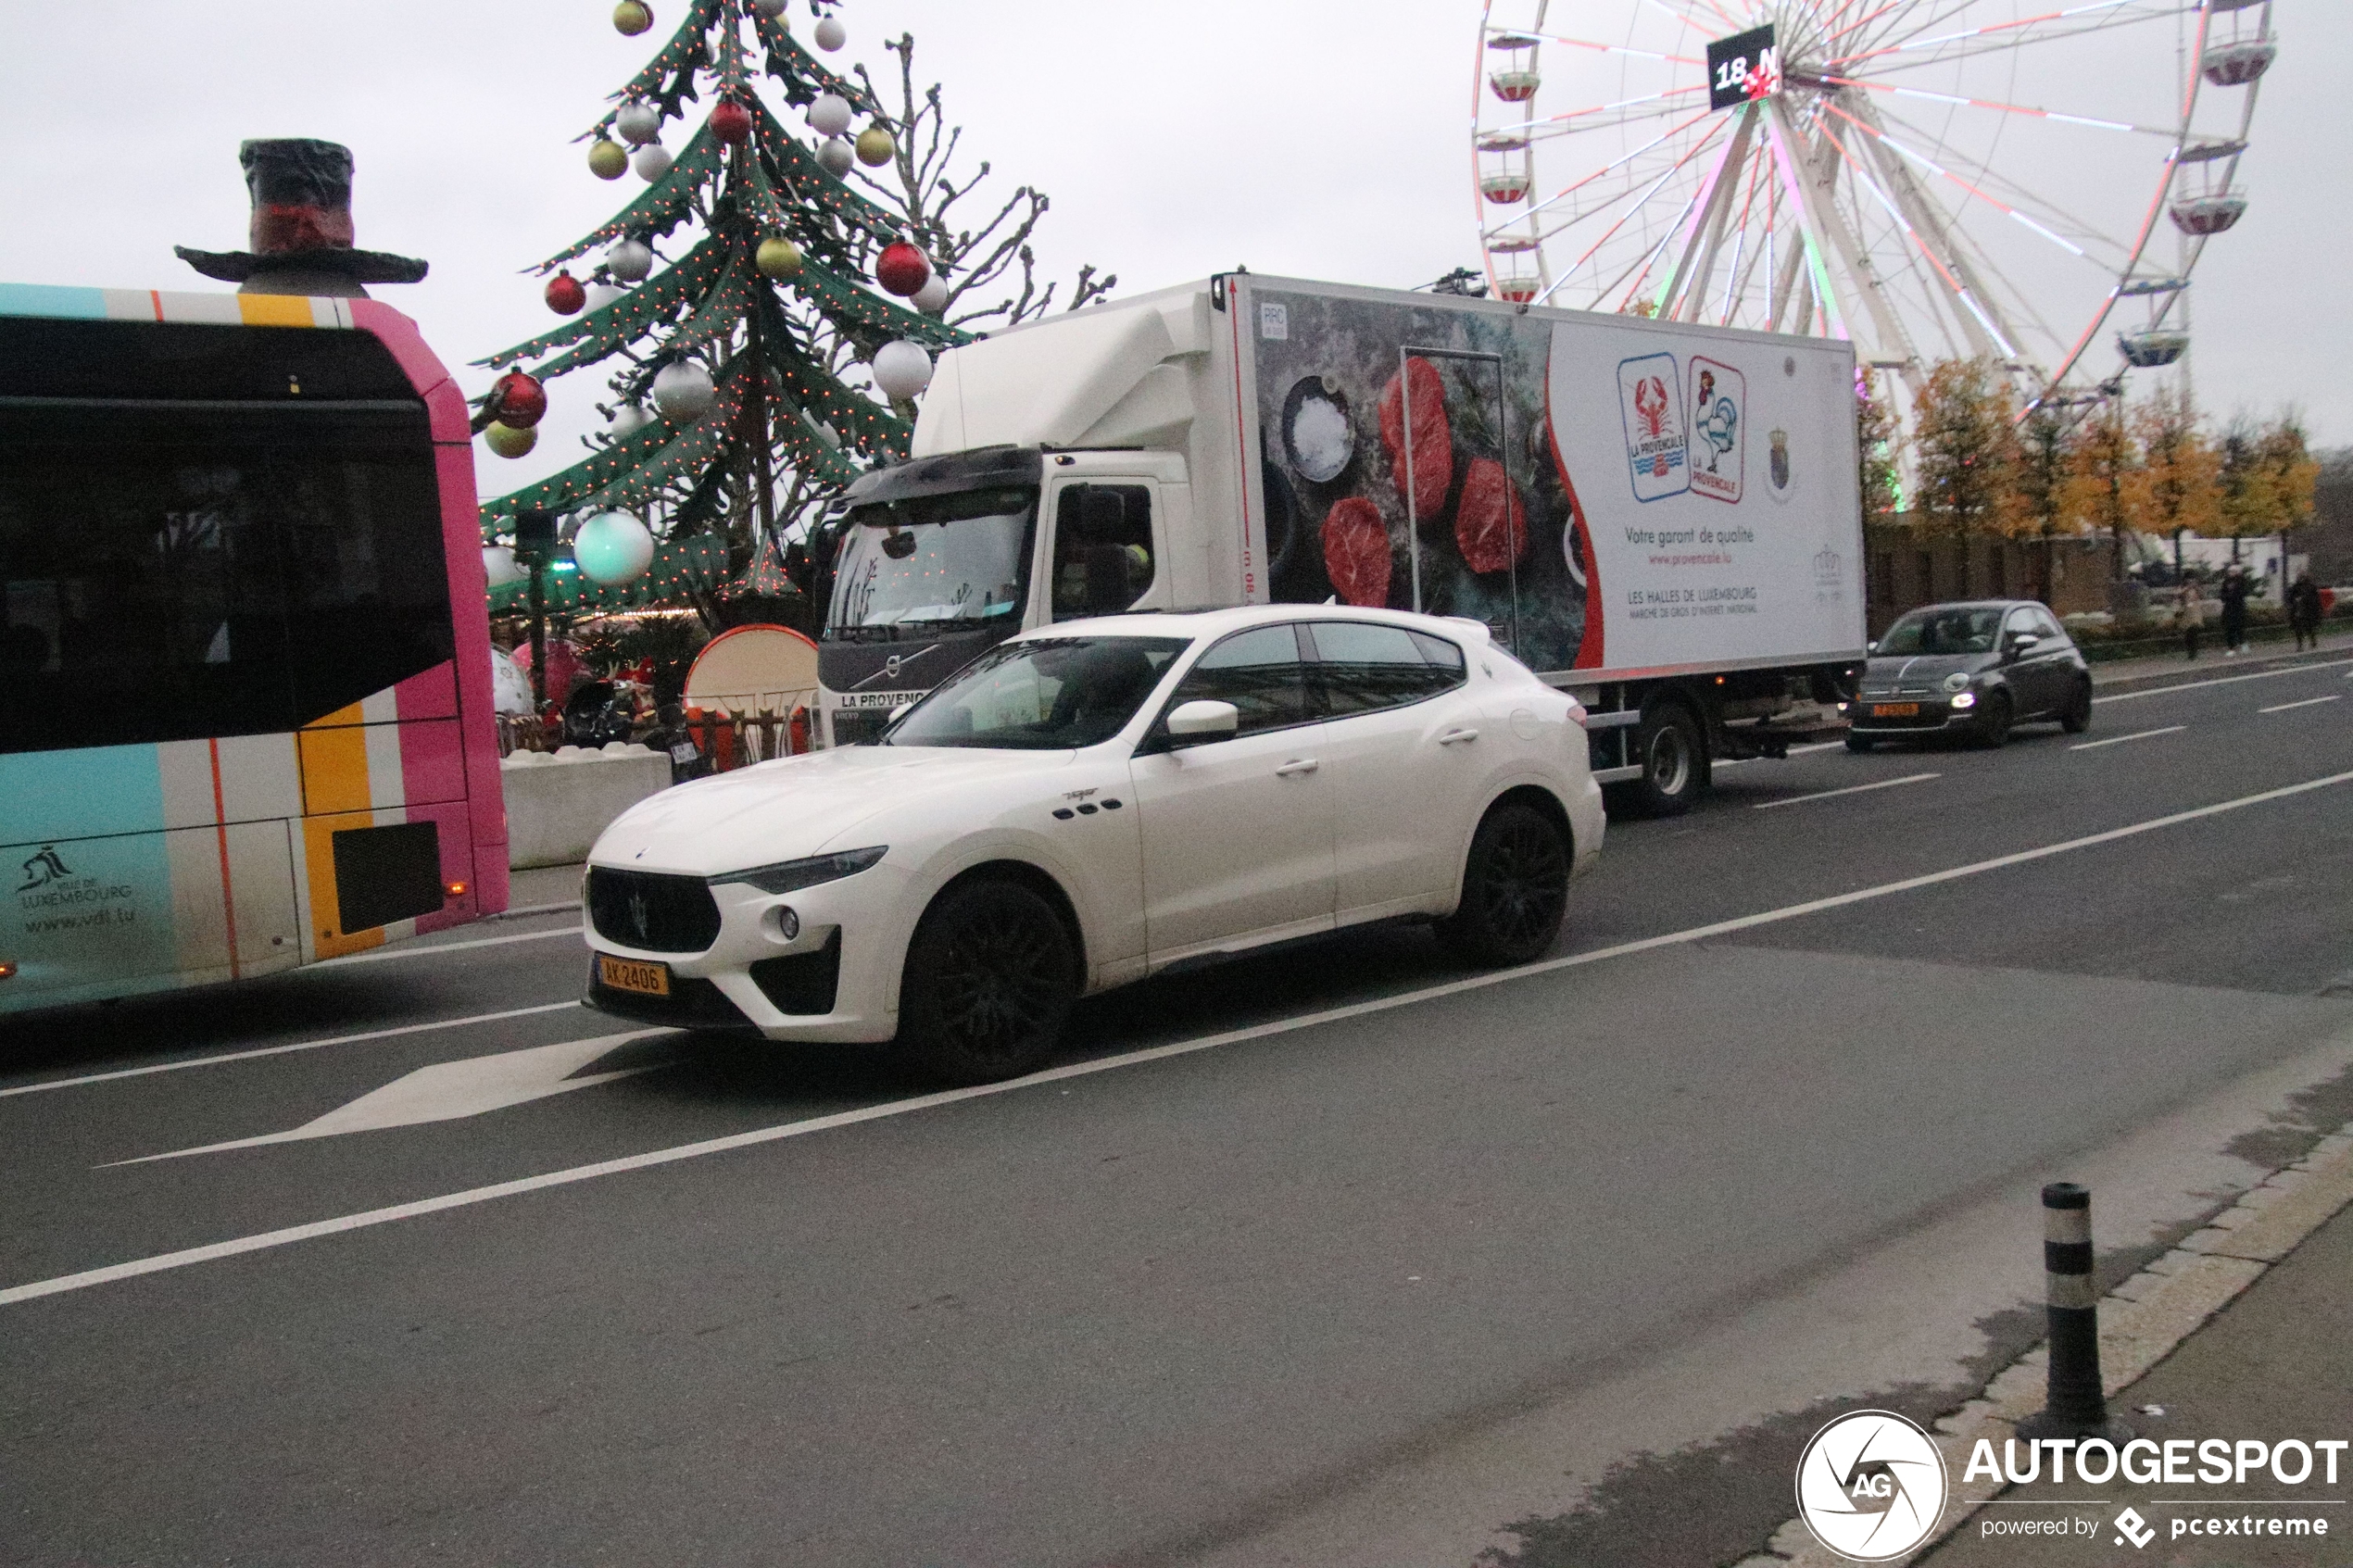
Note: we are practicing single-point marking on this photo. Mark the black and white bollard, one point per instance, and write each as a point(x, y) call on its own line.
point(2075, 1405)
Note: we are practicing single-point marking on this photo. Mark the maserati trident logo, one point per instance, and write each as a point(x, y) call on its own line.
point(1870, 1486)
point(639, 915)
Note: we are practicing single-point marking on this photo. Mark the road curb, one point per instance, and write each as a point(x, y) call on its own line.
point(2143, 1320)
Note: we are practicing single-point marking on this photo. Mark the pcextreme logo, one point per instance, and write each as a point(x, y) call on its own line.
point(1870, 1486)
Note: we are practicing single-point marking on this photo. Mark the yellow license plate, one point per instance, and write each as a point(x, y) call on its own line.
point(633, 975)
point(1895, 710)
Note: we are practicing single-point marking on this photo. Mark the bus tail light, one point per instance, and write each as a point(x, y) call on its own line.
point(455, 890)
point(7, 969)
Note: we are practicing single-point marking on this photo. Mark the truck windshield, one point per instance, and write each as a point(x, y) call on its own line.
point(1046, 694)
point(931, 560)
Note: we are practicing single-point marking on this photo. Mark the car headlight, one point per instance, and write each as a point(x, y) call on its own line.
point(787, 876)
point(1955, 681)
point(1965, 699)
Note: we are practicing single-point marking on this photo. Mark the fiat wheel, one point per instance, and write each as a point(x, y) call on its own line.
point(991, 974)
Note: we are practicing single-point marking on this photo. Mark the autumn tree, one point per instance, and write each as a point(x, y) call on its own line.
point(2267, 478)
point(1875, 435)
point(1964, 454)
point(2177, 487)
point(2101, 458)
point(2043, 437)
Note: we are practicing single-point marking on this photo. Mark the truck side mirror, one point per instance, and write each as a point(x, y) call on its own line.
point(1108, 591)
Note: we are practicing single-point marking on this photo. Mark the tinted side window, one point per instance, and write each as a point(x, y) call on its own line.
point(1362, 667)
point(1102, 548)
point(172, 573)
point(1260, 672)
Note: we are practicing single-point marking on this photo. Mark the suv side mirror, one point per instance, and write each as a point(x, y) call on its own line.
point(1203, 719)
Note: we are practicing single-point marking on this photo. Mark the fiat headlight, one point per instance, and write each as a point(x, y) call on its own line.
point(1956, 681)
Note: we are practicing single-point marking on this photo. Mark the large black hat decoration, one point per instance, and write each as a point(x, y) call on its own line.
point(301, 226)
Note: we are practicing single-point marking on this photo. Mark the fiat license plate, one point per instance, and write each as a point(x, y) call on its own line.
point(1895, 710)
point(633, 975)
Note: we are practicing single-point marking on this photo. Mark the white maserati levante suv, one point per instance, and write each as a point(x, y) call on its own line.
point(1084, 805)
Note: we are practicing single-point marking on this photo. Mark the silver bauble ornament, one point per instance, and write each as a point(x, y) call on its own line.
point(829, 115)
point(834, 156)
point(901, 370)
point(830, 35)
point(627, 420)
point(932, 298)
point(652, 161)
point(601, 294)
point(630, 260)
point(612, 549)
point(499, 566)
point(638, 122)
point(682, 392)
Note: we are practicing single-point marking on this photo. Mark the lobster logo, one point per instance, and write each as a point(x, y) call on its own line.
point(1650, 396)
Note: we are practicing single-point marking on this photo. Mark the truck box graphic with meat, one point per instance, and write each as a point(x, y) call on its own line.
point(1577, 482)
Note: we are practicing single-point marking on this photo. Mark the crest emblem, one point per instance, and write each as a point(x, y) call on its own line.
point(44, 868)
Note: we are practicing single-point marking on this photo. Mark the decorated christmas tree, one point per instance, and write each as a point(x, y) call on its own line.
point(754, 367)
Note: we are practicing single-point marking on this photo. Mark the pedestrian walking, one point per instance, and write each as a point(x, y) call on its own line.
point(2192, 616)
point(2304, 611)
point(2233, 598)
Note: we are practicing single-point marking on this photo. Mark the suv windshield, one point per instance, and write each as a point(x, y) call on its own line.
point(932, 559)
point(1960, 629)
point(1047, 694)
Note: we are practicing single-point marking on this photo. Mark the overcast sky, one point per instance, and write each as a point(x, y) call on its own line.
point(1314, 138)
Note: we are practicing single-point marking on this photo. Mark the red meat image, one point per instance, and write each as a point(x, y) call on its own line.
point(1356, 552)
point(1433, 439)
point(1490, 527)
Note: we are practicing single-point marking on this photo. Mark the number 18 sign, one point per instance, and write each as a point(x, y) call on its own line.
point(1743, 67)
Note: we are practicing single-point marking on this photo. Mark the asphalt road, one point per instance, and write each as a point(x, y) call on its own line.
point(1245, 1300)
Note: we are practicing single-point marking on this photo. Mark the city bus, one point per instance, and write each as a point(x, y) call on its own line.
point(244, 650)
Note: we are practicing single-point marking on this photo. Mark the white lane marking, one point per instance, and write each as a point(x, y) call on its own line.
point(448, 1090)
point(2230, 679)
point(1850, 789)
point(381, 954)
point(280, 1050)
point(2308, 702)
point(1793, 751)
point(2119, 740)
point(655, 1157)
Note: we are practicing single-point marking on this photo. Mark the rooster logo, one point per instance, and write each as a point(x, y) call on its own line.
point(1650, 405)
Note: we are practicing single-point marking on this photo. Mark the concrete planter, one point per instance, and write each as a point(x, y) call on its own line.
point(559, 802)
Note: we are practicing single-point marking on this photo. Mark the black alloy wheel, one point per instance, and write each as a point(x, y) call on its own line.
point(991, 978)
point(1993, 720)
point(1515, 889)
point(2076, 717)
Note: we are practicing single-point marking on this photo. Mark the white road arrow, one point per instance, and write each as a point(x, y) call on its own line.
point(449, 1090)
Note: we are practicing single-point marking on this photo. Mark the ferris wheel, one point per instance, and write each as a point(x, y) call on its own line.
point(1932, 179)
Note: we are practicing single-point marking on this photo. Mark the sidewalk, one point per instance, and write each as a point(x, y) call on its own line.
point(2212, 661)
point(2275, 1363)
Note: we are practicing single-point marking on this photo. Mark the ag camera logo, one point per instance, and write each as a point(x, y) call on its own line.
point(1870, 1486)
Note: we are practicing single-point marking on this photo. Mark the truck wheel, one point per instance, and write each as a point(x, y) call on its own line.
point(1515, 889)
point(990, 978)
point(2076, 717)
point(1669, 747)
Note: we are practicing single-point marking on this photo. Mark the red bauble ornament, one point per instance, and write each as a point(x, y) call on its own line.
point(519, 399)
point(901, 269)
point(730, 121)
point(565, 296)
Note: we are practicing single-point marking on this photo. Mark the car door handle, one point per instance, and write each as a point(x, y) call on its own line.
point(1451, 736)
point(1297, 765)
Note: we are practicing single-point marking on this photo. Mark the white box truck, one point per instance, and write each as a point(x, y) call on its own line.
point(1660, 517)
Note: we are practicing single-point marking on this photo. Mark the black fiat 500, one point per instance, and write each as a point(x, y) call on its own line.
point(1973, 671)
